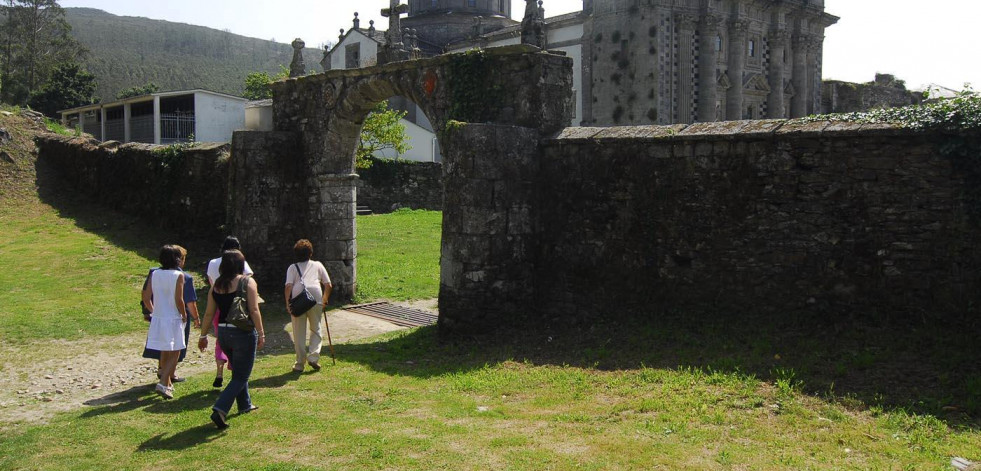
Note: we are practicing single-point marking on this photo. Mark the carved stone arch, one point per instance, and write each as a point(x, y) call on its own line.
point(298, 180)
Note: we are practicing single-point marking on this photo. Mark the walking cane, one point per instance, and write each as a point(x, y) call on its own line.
point(329, 342)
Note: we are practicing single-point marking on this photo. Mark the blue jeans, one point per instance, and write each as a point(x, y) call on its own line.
point(239, 346)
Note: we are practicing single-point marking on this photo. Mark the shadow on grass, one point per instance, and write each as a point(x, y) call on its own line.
point(123, 230)
point(922, 369)
point(144, 397)
point(190, 438)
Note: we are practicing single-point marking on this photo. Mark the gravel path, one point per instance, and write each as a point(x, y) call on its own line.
point(32, 392)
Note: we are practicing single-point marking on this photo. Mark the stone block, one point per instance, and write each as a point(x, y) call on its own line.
point(576, 134)
point(336, 211)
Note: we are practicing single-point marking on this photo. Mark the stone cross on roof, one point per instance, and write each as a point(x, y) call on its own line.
point(394, 34)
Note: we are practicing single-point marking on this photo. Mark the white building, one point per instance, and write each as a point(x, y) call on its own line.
point(359, 48)
point(162, 118)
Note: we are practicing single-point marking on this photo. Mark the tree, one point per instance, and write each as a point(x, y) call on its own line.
point(69, 86)
point(257, 86)
point(36, 38)
point(382, 130)
point(147, 89)
point(257, 83)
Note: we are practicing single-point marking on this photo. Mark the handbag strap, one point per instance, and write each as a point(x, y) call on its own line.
point(241, 286)
point(301, 275)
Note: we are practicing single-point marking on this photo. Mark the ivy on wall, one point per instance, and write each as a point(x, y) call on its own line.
point(475, 91)
point(956, 120)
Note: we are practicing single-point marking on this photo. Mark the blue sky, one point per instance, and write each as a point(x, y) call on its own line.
point(920, 42)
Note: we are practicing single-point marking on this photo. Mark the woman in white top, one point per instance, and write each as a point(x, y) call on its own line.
point(164, 297)
point(312, 276)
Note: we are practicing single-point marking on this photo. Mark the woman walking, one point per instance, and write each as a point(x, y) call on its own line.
point(164, 297)
point(230, 243)
point(312, 276)
point(190, 307)
point(239, 345)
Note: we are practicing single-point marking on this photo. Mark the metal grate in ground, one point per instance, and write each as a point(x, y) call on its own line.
point(398, 315)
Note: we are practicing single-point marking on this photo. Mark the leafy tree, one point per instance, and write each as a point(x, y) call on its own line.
point(147, 89)
point(35, 39)
point(257, 86)
point(68, 87)
point(381, 131)
point(257, 83)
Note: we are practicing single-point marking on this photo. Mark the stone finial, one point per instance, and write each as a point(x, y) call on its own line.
point(371, 26)
point(533, 25)
point(341, 36)
point(357, 22)
point(297, 67)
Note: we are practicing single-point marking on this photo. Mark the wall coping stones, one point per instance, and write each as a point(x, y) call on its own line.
point(802, 127)
point(729, 130)
point(639, 132)
point(90, 144)
point(577, 133)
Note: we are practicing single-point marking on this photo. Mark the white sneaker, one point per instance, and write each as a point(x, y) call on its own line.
point(164, 391)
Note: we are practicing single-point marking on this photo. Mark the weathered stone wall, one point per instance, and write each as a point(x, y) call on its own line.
point(185, 194)
point(268, 189)
point(517, 85)
point(846, 97)
point(753, 216)
point(389, 185)
point(487, 260)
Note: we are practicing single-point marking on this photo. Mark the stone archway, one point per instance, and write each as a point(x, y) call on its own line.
point(302, 173)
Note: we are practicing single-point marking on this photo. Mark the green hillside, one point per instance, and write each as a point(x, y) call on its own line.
point(126, 51)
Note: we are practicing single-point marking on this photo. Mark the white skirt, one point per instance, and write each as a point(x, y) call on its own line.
point(166, 334)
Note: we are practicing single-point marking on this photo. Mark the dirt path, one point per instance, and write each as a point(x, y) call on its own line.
point(87, 372)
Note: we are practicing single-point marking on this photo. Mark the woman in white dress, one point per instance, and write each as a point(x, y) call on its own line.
point(164, 297)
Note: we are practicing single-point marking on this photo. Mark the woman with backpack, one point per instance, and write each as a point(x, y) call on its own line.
point(238, 344)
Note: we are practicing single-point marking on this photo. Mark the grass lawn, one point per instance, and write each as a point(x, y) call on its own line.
point(398, 255)
point(678, 393)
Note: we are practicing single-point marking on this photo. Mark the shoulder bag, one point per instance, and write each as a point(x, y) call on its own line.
point(304, 301)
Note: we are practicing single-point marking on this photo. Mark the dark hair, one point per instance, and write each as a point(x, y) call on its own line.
point(170, 257)
point(232, 265)
point(303, 250)
point(230, 243)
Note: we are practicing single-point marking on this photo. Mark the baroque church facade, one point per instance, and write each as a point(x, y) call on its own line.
point(636, 61)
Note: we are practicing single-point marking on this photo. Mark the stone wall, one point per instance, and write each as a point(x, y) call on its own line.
point(268, 211)
point(490, 224)
point(389, 185)
point(753, 216)
point(185, 194)
point(884, 92)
